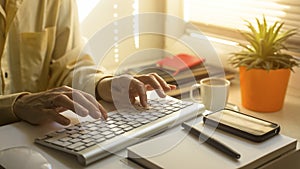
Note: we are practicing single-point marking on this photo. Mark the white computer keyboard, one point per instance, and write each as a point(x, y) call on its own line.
point(93, 140)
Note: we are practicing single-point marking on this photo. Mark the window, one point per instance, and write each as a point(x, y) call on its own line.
point(96, 14)
point(224, 17)
point(85, 7)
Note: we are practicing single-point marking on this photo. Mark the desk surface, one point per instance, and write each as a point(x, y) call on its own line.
point(23, 134)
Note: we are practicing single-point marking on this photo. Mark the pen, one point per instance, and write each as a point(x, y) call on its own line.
point(212, 142)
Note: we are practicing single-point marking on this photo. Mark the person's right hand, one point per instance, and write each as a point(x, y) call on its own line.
point(38, 108)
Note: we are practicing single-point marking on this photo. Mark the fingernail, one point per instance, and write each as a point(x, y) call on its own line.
point(84, 113)
point(98, 115)
point(144, 103)
point(161, 93)
point(104, 118)
point(66, 122)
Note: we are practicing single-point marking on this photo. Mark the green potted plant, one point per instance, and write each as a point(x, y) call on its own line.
point(264, 67)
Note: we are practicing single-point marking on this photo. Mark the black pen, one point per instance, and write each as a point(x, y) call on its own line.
point(215, 143)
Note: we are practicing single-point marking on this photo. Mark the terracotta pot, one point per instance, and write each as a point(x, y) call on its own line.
point(263, 91)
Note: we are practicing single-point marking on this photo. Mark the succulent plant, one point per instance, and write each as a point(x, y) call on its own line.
point(265, 48)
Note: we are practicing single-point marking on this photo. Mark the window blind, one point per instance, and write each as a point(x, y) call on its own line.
point(224, 17)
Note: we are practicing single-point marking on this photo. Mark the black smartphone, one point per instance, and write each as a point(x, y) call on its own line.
point(242, 125)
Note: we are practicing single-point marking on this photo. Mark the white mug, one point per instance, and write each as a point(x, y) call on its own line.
point(213, 93)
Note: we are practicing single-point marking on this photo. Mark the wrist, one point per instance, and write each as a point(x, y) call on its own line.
point(17, 104)
point(103, 89)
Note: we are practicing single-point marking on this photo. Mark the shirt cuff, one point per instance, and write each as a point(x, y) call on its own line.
point(6, 108)
point(98, 97)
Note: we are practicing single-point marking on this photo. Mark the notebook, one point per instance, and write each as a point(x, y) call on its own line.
point(182, 150)
point(179, 62)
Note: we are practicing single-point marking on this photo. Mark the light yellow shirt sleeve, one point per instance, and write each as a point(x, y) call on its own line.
point(6, 108)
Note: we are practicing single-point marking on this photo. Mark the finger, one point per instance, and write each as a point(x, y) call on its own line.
point(99, 108)
point(139, 87)
point(173, 87)
point(162, 82)
point(132, 98)
point(62, 100)
point(86, 101)
point(154, 83)
point(103, 111)
point(86, 104)
point(55, 116)
point(61, 89)
point(60, 109)
point(83, 99)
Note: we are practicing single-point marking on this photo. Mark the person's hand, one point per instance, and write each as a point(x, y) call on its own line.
point(125, 88)
point(38, 108)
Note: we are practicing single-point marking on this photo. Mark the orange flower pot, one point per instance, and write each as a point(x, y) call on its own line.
point(263, 91)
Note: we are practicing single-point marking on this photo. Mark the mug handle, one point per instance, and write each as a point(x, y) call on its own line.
point(192, 93)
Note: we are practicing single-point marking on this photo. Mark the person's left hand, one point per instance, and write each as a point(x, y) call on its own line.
point(125, 88)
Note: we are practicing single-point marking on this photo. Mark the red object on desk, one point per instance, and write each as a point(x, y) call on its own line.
point(179, 62)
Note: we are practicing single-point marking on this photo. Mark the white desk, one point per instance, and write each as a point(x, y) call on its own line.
point(23, 134)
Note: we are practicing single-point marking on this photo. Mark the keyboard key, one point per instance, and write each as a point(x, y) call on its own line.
point(100, 140)
point(92, 128)
point(152, 118)
point(73, 146)
point(75, 140)
point(96, 137)
point(168, 112)
point(176, 109)
point(58, 143)
point(88, 140)
point(79, 148)
point(124, 126)
point(90, 125)
point(75, 135)
point(136, 125)
point(112, 126)
point(106, 133)
point(110, 122)
point(84, 136)
point(119, 132)
point(64, 139)
point(103, 129)
point(62, 144)
point(158, 114)
point(120, 123)
point(94, 133)
point(90, 144)
point(128, 128)
point(143, 121)
point(115, 129)
point(110, 136)
point(132, 123)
